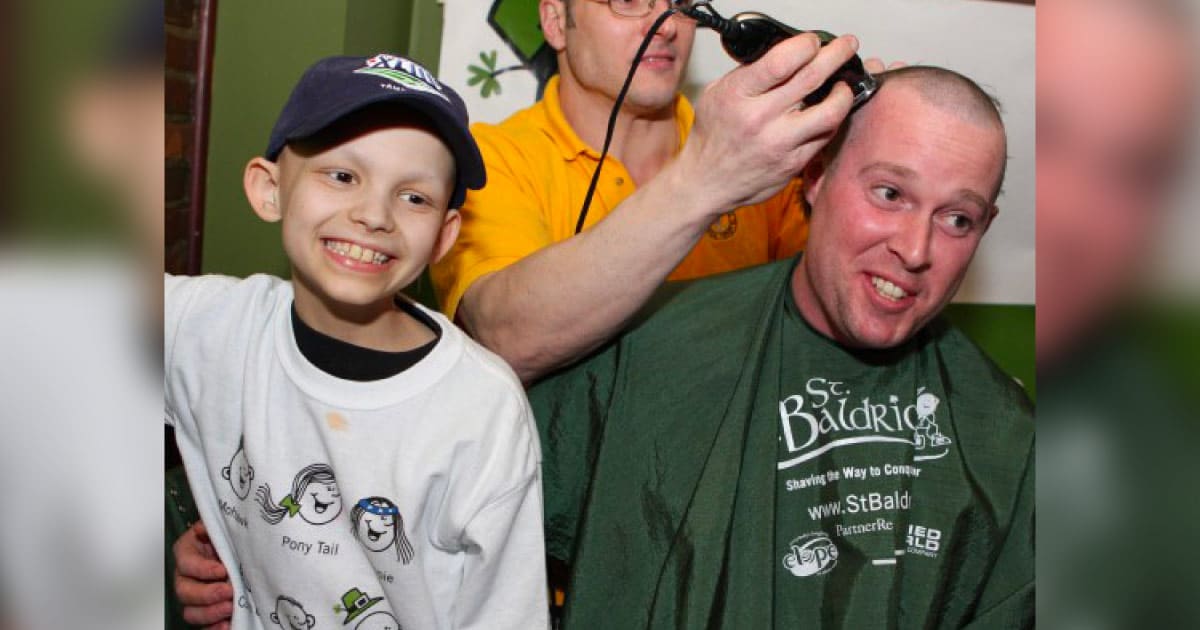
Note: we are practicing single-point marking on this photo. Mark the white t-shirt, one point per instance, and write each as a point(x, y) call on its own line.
point(409, 502)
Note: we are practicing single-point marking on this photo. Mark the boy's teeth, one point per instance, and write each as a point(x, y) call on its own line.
point(357, 252)
point(887, 289)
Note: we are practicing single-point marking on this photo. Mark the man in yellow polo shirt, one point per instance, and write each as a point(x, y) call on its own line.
point(682, 195)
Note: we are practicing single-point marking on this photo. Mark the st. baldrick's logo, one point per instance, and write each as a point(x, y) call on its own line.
point(827, 417)
point(811, 554)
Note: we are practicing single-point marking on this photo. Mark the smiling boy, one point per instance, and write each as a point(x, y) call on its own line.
point(358, 403)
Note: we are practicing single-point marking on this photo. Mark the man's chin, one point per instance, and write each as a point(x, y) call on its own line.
point(878, 336)
point(652, 97)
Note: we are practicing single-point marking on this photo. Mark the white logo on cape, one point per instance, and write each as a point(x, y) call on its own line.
point(811, 554)
point(829, 411)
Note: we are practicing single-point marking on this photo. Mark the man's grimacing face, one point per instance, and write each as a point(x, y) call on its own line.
point(896, 219)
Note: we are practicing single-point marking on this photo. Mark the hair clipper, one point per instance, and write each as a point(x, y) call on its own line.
point(748, 36)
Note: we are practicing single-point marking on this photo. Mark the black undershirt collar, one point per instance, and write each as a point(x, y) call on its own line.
point(355, 363)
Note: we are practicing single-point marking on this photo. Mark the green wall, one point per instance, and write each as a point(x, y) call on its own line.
point(262, 48)
point(1005, 332)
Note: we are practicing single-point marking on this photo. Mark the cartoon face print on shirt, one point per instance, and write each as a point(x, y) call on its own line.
point(290, 615)
point(239, 473)
point(314, 496)
point(377, 524)
point(246, 599)
point(380, 620)
point(927, 432)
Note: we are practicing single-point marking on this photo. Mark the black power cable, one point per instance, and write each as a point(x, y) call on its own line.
point(616, 110)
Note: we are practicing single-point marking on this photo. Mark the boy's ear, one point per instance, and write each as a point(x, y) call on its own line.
point(447, 235)
point(553, 14)
point(261, 181)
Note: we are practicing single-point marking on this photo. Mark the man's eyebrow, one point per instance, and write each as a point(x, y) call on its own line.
point(903, 171)
point(975, 198)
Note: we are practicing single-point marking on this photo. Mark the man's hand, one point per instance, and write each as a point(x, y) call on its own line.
point(753, 133)
point(201, 581)
point(874, 65)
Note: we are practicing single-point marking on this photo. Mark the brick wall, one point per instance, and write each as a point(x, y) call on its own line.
point(187, 63)
point(185, 105)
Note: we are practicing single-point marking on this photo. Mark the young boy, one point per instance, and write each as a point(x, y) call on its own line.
point(358, 460)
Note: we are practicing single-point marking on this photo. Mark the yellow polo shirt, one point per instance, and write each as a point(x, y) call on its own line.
point(538, 172)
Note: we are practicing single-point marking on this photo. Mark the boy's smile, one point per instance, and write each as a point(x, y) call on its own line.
point(364, 210)
point(357, 256)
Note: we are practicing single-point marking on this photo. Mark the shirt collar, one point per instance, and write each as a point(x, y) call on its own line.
point(571, 146)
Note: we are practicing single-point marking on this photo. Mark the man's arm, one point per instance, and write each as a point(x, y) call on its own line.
point(750, 139)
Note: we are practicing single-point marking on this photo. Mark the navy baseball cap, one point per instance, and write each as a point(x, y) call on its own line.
point(336, 86)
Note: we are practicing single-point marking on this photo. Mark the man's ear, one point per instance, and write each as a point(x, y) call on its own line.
point(225, 473)
point(448, 234)
point(814, 179)
point(987, 223)
point(261, 182)
point(553, 14)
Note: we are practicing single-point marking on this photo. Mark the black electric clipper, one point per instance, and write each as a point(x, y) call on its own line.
point(748, 36)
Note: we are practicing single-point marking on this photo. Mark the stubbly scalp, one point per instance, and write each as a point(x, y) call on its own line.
point(944, 89)
point(950, 91)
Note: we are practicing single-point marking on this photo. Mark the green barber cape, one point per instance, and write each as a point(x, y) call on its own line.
point(721, 465)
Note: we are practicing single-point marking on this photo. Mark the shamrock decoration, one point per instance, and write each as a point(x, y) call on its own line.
point(485, 75)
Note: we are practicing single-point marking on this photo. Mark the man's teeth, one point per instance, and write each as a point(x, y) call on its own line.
point(357, 252)
point(887, 289)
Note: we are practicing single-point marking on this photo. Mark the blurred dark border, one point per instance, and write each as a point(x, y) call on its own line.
point(190, 38)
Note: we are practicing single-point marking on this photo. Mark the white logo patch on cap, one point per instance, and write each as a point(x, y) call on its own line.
point(404, 72)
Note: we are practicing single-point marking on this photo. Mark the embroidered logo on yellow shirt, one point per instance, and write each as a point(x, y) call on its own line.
point(724, 227)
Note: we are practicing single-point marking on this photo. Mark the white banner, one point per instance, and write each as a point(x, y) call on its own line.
point(991, 42)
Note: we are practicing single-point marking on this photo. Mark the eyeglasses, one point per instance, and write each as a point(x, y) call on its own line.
point(640, 8)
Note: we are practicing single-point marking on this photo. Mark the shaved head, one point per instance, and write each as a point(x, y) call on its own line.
point(945, 90)
point(949, 91)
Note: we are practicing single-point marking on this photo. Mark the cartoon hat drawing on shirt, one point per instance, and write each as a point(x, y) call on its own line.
point(354, 603)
